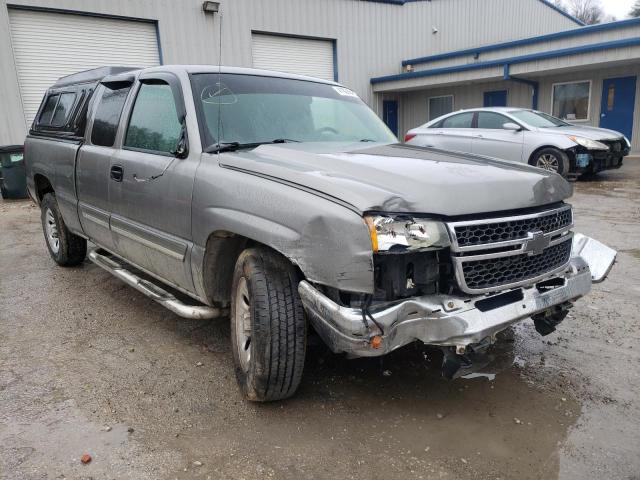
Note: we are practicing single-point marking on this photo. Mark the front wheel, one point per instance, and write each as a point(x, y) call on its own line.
point(66, 248)
point(268, 327)
point(551, 159)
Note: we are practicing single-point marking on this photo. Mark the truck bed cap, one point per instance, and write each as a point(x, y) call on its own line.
point(92, 75)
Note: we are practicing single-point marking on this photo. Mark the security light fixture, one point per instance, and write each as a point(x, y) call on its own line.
point(210, 7)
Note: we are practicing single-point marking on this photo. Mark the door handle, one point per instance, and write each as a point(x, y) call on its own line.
point(117, 173)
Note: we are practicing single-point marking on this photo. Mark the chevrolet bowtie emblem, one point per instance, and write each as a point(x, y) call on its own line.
point(536, 243)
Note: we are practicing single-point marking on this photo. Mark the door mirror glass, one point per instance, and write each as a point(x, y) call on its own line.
point(512, 126)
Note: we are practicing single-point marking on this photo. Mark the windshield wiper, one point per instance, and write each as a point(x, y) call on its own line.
point(223, 147)
point(233, 146)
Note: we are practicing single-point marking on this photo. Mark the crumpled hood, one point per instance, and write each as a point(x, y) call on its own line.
point(592, 133)
point(403, 178)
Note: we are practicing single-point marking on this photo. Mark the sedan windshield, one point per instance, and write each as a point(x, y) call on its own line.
point(248, 110)
point(538, 119)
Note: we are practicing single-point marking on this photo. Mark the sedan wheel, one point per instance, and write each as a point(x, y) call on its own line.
point(548, 161)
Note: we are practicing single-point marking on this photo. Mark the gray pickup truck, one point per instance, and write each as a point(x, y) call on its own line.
point(284, 203)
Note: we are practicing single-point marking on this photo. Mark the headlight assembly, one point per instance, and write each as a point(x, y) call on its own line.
point(588, 143)
point(400, 233)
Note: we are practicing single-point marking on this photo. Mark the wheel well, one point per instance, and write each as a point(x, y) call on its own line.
point(43, 186)
point(537, 150)
point(221, 254)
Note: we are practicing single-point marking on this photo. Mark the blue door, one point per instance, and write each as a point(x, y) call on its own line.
point(618, 99)
point(390, 115)
point(497, 98)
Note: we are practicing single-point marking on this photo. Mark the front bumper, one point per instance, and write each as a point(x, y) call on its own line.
point(443, 320)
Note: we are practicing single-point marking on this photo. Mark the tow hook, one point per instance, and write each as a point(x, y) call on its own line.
point(458, 361)
point(547, 321)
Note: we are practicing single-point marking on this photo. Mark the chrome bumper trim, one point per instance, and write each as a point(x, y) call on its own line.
point(434, 319)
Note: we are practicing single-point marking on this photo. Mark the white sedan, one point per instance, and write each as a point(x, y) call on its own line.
point(526, 136)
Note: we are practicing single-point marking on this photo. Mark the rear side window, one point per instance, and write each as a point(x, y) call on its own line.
point(107, 117)
point(47, 111)
point(154, 124)
point(63, 109)
point(491, 120)
point(462, 120)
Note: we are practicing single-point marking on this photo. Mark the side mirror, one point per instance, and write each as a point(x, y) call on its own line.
point(512, 126)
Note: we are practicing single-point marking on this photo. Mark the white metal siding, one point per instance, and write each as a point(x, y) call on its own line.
point(47, 46)
point(293, 55)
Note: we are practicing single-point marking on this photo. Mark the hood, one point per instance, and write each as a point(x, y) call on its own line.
point(592, 133)
point(403, 178)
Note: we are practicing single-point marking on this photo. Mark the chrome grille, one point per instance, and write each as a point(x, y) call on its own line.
point(498, 253)
point(470, 234)
point(496, 272)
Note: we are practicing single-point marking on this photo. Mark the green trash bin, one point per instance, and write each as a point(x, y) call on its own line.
point(13, 176)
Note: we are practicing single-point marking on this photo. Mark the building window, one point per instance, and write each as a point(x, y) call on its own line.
point(439, 106)
point(571, 100)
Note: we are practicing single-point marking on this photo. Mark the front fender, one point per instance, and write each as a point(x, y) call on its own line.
point(329, 242)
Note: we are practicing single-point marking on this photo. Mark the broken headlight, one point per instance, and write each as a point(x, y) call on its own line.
point(400, 233)
point(588, 143)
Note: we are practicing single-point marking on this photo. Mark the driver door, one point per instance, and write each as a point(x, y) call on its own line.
point(151, 182)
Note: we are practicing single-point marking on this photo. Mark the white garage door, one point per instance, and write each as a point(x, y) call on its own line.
point(47, 46)
point(293, 55)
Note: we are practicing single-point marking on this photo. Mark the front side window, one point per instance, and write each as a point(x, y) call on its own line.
point(47, 111)
point(250, 109)
point(462, 120)
point(491, 120)
point(154, 124)
point(439, 106)
point(107, 117)
point(538, 119)
point(571, 100)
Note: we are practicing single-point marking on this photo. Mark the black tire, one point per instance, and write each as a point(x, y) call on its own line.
point(71, 249)
point(551, 159)
point(275, 326)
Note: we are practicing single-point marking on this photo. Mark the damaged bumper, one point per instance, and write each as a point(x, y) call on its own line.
point(446, 320)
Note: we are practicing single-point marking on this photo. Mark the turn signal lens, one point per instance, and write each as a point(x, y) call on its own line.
point(372, 233)
point(409, 136)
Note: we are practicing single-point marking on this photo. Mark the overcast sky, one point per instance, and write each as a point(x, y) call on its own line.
point(617, 8)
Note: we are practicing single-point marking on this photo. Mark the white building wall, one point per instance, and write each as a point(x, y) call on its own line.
point(372, 38)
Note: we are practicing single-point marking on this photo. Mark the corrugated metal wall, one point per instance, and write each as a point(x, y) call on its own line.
point(372, 38)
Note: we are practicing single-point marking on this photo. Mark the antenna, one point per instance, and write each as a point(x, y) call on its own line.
point(219, 81)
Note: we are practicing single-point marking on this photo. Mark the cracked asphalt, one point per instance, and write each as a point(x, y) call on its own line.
point(89, 365)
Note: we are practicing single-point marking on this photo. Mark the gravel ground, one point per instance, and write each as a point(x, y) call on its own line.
point(88, 365)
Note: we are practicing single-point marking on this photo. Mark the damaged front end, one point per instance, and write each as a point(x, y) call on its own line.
point(457, 284)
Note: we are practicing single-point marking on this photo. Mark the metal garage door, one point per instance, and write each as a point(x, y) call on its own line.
point(47, 46)
point(293, 55)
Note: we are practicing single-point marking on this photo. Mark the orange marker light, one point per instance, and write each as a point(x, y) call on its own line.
point(376, 342)
point(372, 233)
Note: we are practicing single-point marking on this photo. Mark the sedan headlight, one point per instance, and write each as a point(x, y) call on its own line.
point(588, 143)
point(406, 233)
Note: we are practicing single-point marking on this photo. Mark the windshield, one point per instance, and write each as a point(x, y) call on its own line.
point(250, 109)
point(538, 119)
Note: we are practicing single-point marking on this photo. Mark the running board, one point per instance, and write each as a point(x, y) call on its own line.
point(152, 290)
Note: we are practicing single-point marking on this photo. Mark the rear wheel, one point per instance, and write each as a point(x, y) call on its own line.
point(551, 159)
point(66, 248)
point(268, 327)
